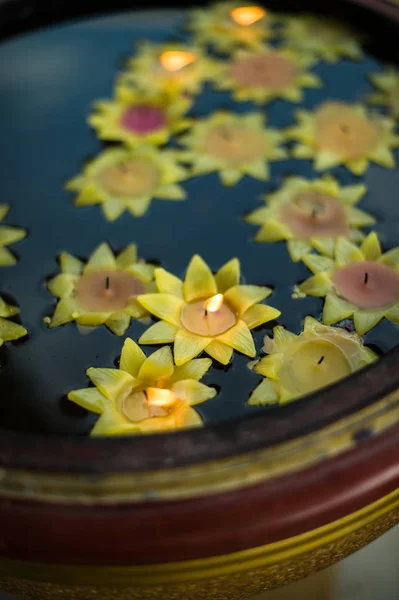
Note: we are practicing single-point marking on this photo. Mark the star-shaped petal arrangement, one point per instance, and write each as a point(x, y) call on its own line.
point(322, 38)
point(8, 235)
point(297, 365)
point(135, 117)
point(206, 312)
point(121, 179)
point(225, 27)
point(359, 282)
point(387, 94)
point(103, 291)
point(344, 134)
point(265, 74)
point(145, 395)
point(234, 145)
point(9, 331)
point(311, 215)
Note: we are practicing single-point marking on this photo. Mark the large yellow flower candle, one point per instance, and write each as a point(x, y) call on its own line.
point(360, 282)
point(8, 235)
point(206, 312)
point(102, 292)
point(9, 331)
point(145, 395)
point(299, 365)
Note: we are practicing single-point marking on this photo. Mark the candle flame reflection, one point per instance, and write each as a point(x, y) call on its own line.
point(247, 15)
point(174, 60)
point(214, 304)
point(158, 397)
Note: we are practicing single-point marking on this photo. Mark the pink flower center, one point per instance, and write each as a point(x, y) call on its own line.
point(143, 118)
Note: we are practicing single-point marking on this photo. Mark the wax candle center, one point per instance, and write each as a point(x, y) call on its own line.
point(176, 60)
point(139, 406)
point(107, 291)
point(264, 70)
point(338, 129)
point(210, 317)
point(235, 144)
point(314, 214)
point(247, 15)
point(143, 118)
point(130, 178)
point(367, 285)
point(312, 365)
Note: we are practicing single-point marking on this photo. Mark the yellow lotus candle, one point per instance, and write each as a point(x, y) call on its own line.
point(102, 292)
point(122, 179)
point(311, 215)
point(298, 365)
point(233, 145)
point(264, 74)
point(338, 133)
point(206, 312)
point(8, 235)
point(136, 117)
point(387, 94)
point(9, 331)
point(145, 395)
point(359, 282)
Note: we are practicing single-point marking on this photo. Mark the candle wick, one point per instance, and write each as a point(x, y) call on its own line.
point(206, 314)
point(314, 213)
point(321, 360)
point(366, 278)
point(344, 129)
point(107, 282)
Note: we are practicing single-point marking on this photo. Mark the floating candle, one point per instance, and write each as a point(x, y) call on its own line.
point(207, 312)
point(387, 84)
point(8, 235)
point(264, 74)
point(136, 117)
point(234, 145)
point(102, 292)
point(176, 60)
point(247, 15)
point(299, 365)
point(9, 331)
point(338, 133)
point(311, 214)
point(146, 395)
point(359, 282)
point(121, 179)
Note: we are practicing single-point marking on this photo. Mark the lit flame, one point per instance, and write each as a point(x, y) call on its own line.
point(247, 15)
point(174, 60)
point(158, 397)
point(214, 304)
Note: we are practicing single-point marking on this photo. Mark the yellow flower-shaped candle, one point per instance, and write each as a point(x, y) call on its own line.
point(206, 312)
point(234, 145)
point(387, 84)
point(230, 25)
point(8, 235)
point(311, 214)
point(136, 117)
point(102, 292)
point(362, 283)
point(337, 133)
point(265, 74)
point(145, 395)
point(299, 365)
point(320, 37)
point(9, 331)
point(122, 179)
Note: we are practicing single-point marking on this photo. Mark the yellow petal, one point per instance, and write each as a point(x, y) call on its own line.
point(346, 252)
point(69, 264)
point(91, 319)
point(199, 281)
point(366, 320)
point(393, 313)
point(112, 423)
point(220, 352)
point(62, 286)
point(168, 283)
point(230, 177)
point(128, 257)
point(359, 218)
point(312, 324)
point(188, 346)
point(242, 297)
point(391, 258)
point(113, 209)
point(132, 358)
point(228, 276)
point(63, 312)
point(112, 383)
point(157, 366)
point(318, 264)
point(164, 306)
point(88, 398)
point(371, 247)
point(139, 206)
point(240, 338)
point(102, 258)
point(273, 231)
point(10, 331)
point(195, 369)
point(318, 285)
point(6, 310)
point(325, 246)
point(6, 258)
point(4, 210)
point(258, 216)
point(10, 235)
point(160, 333)
point(264, 394)
point(336, 309)
point(298, 249)
point(282, 336)
point(259, 314)
point(326, 160)
point(186, 417)
point(118, 323)
point(143, 271)
point(193, 392)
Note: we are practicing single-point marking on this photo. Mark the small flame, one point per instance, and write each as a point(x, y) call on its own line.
point(214, 304)
point(158, 397)
point(247, 15)
point(174, 60)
